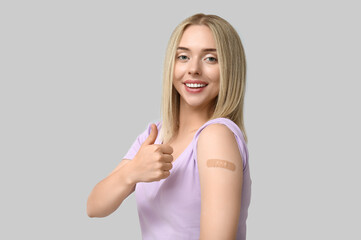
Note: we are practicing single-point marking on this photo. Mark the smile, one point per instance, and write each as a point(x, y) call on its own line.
point(195, 88)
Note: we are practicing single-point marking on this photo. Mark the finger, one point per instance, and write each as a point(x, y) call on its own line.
point(167, 158)
point(166, 174)
point(165, 148)
point(167, 166)
point(152, 136)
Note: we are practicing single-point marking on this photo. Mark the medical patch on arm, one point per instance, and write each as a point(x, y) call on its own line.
point(221, 163)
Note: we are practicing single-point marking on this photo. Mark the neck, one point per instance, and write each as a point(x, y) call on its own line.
point(192, 118)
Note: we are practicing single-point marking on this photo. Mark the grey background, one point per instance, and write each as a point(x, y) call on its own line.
point(80, 80)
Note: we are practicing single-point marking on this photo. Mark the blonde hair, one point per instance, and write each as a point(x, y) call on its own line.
point(232, 63)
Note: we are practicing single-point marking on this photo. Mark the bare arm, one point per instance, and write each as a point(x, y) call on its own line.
point(109, 193)
point(221, 174)
point(151, 163)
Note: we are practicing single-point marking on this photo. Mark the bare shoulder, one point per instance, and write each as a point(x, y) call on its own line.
point(217, 141)
point(216, 135)
point(215, 130)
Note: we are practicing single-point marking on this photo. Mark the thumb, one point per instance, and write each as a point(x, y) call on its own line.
point(152, 136)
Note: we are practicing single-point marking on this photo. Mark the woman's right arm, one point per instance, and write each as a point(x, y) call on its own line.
point(151, 163)
point(109, 193)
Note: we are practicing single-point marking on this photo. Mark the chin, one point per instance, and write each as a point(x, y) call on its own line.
point(195, 104)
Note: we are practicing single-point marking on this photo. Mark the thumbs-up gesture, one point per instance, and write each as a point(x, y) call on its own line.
point(152, 161)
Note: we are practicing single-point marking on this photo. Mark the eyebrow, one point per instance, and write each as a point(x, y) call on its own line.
point(203, 50)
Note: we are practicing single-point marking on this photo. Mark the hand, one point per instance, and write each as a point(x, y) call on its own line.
point(152, 161)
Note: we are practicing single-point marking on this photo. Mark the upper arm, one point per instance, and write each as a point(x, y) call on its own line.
point(221, 175)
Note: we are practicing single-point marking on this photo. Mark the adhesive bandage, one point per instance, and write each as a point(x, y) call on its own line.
point(221, 163)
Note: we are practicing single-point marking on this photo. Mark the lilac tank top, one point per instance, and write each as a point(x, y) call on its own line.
point(171, 208)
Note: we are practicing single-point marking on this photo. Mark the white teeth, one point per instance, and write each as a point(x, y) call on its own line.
point(195, 85)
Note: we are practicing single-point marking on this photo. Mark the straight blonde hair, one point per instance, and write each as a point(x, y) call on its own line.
point(232, 63)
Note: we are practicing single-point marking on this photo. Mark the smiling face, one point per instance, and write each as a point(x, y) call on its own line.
point(196, 61)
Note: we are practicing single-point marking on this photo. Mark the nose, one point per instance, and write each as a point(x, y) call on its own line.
point(194, 67)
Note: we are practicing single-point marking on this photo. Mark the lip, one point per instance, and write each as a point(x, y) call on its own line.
point(195, 81)
point(194, 90)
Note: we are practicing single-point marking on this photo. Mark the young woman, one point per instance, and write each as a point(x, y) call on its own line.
point(191, 180)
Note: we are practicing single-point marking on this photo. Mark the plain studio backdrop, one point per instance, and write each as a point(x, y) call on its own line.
point(80, 80)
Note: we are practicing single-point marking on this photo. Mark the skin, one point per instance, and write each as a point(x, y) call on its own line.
point(196, 64)
point(219, 160)
point(221, 184)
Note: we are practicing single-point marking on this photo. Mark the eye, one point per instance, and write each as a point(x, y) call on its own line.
point(182, 57)
point(211, 59)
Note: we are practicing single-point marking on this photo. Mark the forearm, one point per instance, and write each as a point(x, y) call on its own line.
point(109, 193)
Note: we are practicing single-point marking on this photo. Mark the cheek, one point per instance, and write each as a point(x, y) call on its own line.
point(178, 71)
point(214, 73)
point(217, 74)
point(216, 79)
